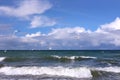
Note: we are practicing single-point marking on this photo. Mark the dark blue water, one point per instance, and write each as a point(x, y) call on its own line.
point(60, 65)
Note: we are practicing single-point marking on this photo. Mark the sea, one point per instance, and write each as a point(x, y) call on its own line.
point(59, 64)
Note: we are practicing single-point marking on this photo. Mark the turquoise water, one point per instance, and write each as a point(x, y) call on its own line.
point(60, 65)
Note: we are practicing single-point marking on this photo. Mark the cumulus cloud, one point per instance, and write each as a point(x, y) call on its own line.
point(61, 33)
point(105, 37)
point(113, 26)
point(26, 8)
point(42, 21)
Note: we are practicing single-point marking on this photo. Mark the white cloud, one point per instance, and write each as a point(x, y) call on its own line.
point(42, 21)
point(67, 38)
point(111, 32)
point(26, 8)
point(115, 25)
point(61, 33)
point(33, 35)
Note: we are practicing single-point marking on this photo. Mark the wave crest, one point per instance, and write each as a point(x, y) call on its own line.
point(73, 57)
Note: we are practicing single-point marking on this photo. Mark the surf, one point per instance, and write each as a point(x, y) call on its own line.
point(81, 72)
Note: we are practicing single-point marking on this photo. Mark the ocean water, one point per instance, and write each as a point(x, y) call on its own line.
point(60, 65)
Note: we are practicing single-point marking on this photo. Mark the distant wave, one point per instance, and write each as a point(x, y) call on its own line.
point(73, 57)
point(88, 57)
point(81, 72)
point(2, 58)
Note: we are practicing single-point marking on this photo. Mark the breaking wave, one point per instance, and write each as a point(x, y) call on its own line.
point(81, 72)
point(109, 69)
point(76, 72)
point(2, 58)
point(51, 57)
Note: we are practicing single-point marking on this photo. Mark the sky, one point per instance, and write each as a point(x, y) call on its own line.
point(59, 24)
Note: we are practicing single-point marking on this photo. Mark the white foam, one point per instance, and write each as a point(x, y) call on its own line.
point(2, 58)
point(88, 57)
point(67, 57)
point(80, 72)
point(109, 69)
point(73, 57)
point(55, 56)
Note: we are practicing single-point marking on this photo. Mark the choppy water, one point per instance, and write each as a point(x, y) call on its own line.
point(60, 65)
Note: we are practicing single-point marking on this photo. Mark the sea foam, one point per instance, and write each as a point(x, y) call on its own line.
point(109, 69)
point(2, 58)
point(73, 57)
point(88, 57)
point(80, 72)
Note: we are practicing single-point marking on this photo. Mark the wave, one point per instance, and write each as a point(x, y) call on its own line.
point(109, 69)
point(109, 62)
point(14, 59)
point(52, 58)
point(73, 57)
point(80, 72)
point(2, 58)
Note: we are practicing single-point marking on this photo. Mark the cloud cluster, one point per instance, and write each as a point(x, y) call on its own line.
point(105, 37)
point(29, 8)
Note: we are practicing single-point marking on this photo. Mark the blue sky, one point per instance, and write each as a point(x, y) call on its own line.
point(59, 24)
